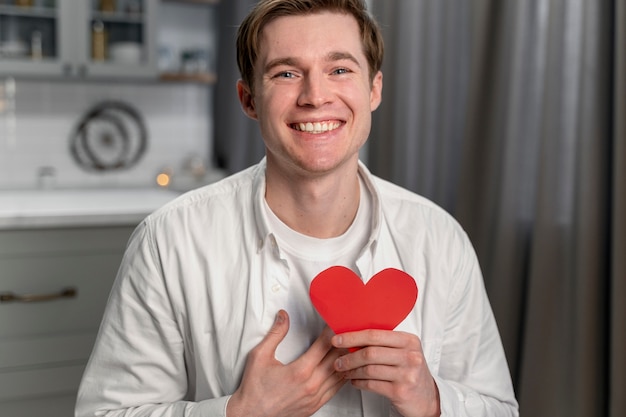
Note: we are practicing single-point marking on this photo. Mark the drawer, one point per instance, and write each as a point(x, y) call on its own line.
point(57, 333)
point(74, 240)
point(90, 274)
point(56, 406)
point(20, 353)
point(33, 383)
point(45, 345)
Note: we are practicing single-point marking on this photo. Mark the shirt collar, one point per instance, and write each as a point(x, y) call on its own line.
point(263, 229)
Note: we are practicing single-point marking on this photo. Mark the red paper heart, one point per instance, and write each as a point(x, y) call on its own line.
point(346, 304)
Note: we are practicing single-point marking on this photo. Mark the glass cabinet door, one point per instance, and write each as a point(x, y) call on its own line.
point(30, 37)
point(78, 38)
point(121, 38)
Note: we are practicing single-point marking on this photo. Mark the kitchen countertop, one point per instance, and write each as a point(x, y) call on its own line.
point(79, 207)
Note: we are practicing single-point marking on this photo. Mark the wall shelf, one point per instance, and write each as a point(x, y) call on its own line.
point(20, 11)
point(200, 78)
point(194, 1)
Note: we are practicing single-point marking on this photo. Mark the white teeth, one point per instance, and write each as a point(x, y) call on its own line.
point(317, 127)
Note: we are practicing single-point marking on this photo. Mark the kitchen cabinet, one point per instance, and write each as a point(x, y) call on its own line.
point(87, 39)
point(59, 254)
point(188, 38)
point(54, 284)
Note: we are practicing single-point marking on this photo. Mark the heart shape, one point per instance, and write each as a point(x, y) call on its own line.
point(347, 304)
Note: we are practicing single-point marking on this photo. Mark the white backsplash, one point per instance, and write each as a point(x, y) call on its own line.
point(37, 121)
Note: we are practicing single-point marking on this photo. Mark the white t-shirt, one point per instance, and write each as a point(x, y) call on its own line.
point(307, 256)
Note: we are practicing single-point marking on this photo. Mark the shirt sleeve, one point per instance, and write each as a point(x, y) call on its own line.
point(473, 378)
point(137, 367)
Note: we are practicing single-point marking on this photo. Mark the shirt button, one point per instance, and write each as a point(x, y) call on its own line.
point(276, 287)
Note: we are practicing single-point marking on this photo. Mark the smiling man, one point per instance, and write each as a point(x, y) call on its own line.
point(210, 313)
point(313, 96)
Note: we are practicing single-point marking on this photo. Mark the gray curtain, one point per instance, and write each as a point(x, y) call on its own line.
point(510, 114)
point(238, 143)
point(617, 357)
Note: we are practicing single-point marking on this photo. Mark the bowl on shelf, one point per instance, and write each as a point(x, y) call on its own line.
point(125, 53)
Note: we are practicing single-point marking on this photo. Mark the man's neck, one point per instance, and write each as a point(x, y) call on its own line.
point(321, 207)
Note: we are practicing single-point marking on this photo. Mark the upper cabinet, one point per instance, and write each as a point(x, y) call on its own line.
point(86, 39)
point(187, 41)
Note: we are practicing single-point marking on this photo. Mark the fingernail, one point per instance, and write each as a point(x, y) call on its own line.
point(279, 318)
point(338, 340)
point(338, 364)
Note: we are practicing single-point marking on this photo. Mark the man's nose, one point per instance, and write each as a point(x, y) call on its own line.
point(315, 91)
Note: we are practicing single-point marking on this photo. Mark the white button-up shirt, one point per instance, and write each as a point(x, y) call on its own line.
point(202, 280)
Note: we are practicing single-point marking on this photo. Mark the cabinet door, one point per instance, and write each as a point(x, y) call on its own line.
point(120, 39)
point(44, 345)
point(78, 39)
point(31, 39)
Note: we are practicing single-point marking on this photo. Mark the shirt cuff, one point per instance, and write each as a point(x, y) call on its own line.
point(214, 407)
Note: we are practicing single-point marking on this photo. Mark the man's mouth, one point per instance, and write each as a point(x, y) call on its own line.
point(316, 127)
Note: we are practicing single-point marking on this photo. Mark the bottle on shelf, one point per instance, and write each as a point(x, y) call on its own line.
point(36, 51)
point(98, 41)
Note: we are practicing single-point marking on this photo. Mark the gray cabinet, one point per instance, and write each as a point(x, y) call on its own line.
point(93, 39)
point(54, 284)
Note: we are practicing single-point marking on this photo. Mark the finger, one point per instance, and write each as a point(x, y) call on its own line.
point(370, 356)
point(373, 372)
point(320, 349)
point(332, 385)
point(384, 388)
point(386, 338)
point(333, 380)
point(276, 334)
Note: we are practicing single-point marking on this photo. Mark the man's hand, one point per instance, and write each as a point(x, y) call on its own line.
point(270, 388)
point(391, 364)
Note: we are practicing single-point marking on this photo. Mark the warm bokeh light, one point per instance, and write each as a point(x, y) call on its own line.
point(163, 179)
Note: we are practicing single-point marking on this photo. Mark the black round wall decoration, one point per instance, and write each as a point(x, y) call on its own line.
point(110, 136)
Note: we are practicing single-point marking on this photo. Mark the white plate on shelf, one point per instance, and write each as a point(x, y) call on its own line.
point(13, 49)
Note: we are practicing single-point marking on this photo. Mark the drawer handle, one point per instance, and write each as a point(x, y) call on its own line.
point(7, 297)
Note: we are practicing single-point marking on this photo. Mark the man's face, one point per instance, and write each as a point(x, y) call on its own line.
point(313, 97)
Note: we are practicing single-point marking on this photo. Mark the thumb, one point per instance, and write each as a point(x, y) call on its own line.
point(277, 332)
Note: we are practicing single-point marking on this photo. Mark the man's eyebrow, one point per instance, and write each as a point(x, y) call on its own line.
point(340, 56)
point(278, 62)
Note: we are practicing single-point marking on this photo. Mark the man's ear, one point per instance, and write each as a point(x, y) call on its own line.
point(376, 94)
point(246, 99)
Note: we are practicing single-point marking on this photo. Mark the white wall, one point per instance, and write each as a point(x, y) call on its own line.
point(37, 122)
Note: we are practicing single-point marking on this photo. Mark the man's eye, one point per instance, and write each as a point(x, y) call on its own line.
point(285, 74)
point(341, 71)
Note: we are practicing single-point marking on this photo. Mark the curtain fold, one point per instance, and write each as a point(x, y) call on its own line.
point(534, 168)
point(565, 337)
point(425, 86)
point(617, 357)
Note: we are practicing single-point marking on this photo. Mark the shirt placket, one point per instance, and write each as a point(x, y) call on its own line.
point(276, 287)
